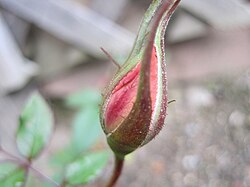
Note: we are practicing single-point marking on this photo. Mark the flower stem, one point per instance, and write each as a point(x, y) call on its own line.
point(27, 164)
point(116, 172)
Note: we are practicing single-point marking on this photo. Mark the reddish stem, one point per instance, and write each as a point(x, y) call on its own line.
point(28, 165)
point(116, 172)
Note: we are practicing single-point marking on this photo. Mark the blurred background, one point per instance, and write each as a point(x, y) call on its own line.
point(53, 46)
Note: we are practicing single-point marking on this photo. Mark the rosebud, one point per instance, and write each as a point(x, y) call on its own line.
point(135, 102)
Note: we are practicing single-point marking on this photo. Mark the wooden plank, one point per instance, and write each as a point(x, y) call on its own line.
point(14, 72)
point(221, 14)
point(193, 28)
point(18, 27)
point(74, 24)
point(107, 9)
point(55, 54)
point(219, 54)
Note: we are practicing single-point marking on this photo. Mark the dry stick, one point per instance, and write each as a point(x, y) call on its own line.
point(116, 172)
point(110, 57)
point(28, 164)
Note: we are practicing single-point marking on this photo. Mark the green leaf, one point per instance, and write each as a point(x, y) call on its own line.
point(64, 156)
point(37, 181)
point(84, 99)
point(11, 175)
point(86, 129)
point(86, 168)
point(35, 127)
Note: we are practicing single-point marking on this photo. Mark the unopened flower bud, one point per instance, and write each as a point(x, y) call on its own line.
point(135, 102)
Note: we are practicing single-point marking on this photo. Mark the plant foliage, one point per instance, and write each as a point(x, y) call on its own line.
point(78, 165)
